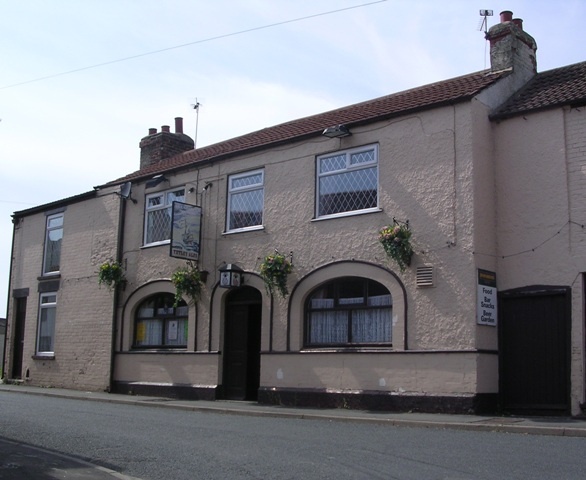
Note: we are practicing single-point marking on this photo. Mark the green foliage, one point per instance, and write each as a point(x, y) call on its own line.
point(274, 270)
point(110, 274)
point(187, 281)
point(396, 240)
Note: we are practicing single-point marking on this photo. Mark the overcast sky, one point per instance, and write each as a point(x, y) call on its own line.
point(251, 64)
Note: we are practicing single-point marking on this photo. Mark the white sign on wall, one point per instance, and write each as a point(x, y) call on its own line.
point(486, 298)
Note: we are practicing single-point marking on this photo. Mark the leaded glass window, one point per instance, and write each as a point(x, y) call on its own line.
point(245, 200)
point(347, 181)
point(158, 215)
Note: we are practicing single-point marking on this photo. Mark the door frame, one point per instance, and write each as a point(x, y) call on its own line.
point(541, 291)
point(251, 298)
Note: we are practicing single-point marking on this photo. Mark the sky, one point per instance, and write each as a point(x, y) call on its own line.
point(82, 82)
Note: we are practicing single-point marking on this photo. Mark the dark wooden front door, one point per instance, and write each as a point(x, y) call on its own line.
point(18, 345)
point(242, 331)
point(534, 350)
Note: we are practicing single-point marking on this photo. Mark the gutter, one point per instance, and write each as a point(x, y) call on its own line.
point(8, 301)
point(115, 301)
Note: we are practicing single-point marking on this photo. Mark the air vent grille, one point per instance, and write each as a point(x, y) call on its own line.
point(425, 276)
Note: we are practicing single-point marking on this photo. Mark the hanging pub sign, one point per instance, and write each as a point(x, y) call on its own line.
point(486, 301)
point(185, 231)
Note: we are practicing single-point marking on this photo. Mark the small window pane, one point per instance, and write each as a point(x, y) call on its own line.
point(155, 201)
point(246, 181)
point(331, 164)
point(362, 157)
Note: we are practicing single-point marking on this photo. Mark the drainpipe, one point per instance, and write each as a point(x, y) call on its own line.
point(115, 302)
point(14, 220)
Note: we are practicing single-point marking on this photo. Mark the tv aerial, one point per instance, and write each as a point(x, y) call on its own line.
point(484, 22)
point(126, 192)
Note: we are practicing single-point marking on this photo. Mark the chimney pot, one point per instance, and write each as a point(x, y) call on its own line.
point(152, 131)
point(506, 16)
point(518, 22)
point(165, 128)
point(178, 125)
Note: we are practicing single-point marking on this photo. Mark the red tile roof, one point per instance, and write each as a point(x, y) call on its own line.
point(428, 96)
point(549, 89)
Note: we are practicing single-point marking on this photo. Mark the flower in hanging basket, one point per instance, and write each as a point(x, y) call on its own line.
point(396, 240)
point(187, 281)
point(110, 274)
point(274, 270)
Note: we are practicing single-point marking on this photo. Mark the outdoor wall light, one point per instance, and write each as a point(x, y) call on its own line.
point(230, 275)
point(337, 131)
point(153, 182)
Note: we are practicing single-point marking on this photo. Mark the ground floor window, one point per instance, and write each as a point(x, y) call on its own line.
point(160, 324)
point(46, 331)
point(349, 311)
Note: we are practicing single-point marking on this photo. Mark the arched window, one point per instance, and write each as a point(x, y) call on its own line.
point(349, 311)
point(160, 324)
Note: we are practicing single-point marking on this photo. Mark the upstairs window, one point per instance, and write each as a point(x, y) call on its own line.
point(157, 227)
point(245, 200)
point(46, 329)
point(53, 239)
point(347, 181)
point(349, 312)
point(160, 324)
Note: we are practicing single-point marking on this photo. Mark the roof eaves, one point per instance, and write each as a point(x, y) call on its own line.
point(56, 204)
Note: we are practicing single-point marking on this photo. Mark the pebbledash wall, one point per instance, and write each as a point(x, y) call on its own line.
point(434, 350)
point(466, 184)
point(547, 212)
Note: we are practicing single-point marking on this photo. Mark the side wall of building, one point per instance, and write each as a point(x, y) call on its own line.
point(83, 324)
point(541, 215)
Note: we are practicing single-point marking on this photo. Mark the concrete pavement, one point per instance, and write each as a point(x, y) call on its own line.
point(19, 461)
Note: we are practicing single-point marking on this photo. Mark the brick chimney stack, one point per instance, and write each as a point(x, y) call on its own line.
point(159, 146)
point(512, 47)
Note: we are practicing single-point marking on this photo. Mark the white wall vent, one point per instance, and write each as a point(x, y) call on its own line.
point(425, 276)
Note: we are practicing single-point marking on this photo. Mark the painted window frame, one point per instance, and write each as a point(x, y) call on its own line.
point(349, 168)
point(240, 190)
point(51, 253)
point(339, 312)
point(151, 210)
point(46, 324)
point(164, 313)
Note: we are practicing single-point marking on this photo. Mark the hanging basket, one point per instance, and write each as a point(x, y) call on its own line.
point(274, 270)
point(396, 241)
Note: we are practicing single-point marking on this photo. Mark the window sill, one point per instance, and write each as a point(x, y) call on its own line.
point(256, 228)
point(156, 244)
point(158, 349)
point(49, 276)
point(348, 349)
point(347, 214)
point(49, 356)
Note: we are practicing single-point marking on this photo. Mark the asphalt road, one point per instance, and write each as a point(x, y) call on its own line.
point(154, 443)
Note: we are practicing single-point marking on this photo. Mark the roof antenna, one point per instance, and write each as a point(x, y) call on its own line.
point(196, 106)
point(484, 25)
point(484, 22)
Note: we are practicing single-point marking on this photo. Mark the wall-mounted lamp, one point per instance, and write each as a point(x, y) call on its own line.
point(337, 131)
point(153, 182)
point(230, 276)
point(207, 186)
